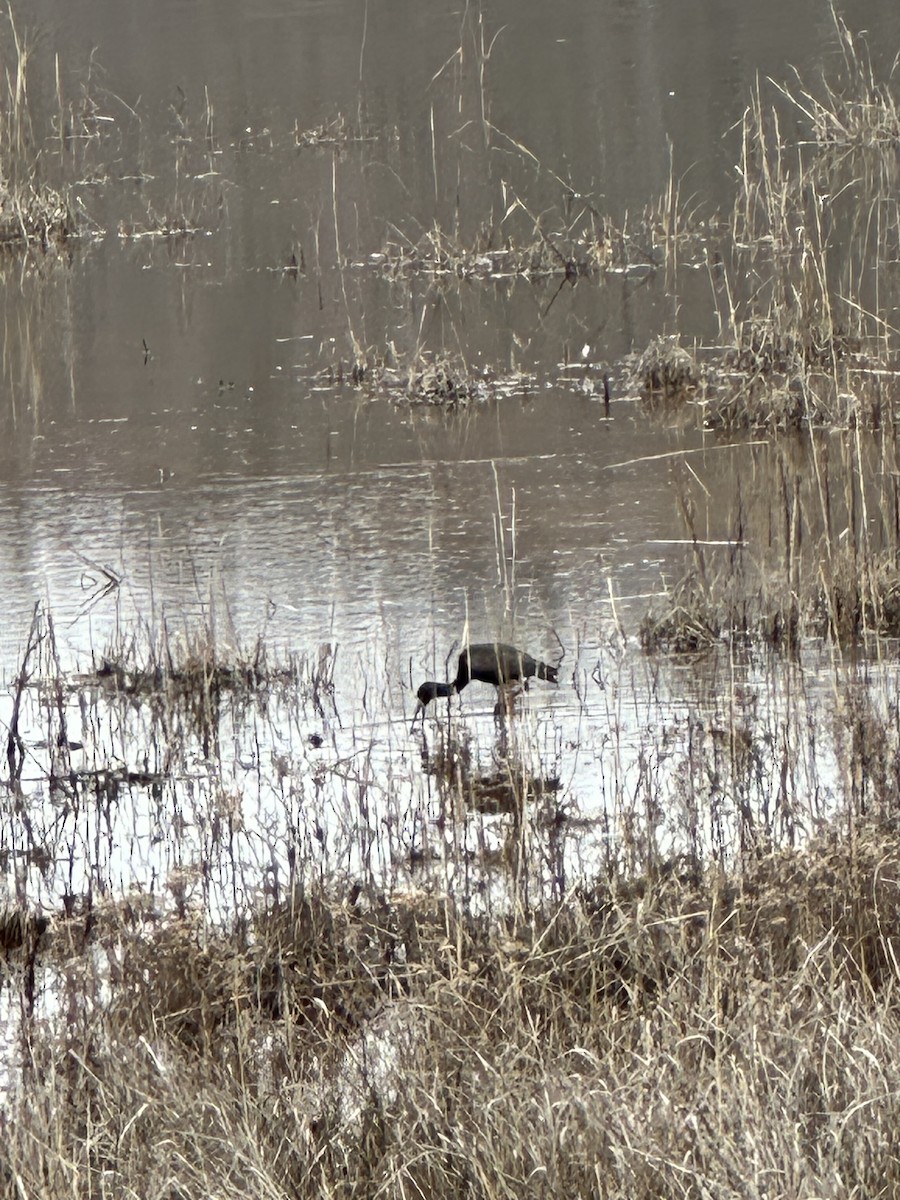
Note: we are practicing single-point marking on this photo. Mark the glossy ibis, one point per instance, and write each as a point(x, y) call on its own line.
point(489, 662)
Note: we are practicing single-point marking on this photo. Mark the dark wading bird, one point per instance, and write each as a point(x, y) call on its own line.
point(488, 662)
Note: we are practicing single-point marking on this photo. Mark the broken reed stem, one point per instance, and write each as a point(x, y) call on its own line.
point(15, 747)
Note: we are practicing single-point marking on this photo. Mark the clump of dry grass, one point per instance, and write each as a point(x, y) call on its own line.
point(858, 599)
point(683, 1032)
point(809, 550)
point(32, 210)
point(182, 666)
point(435, 381)
point(701, 615)
point(40, 165)
point(582, 243)
point(334, 133)
point(856, 111)
point(740, 582)
point(668, 373)
point(429, 379)
point(189, 675)
point(441, 254)
point(799, 275)
point(181, 226)
point(439, 380)
point(685, 626)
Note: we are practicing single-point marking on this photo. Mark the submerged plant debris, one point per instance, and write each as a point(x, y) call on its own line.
point(436, 381)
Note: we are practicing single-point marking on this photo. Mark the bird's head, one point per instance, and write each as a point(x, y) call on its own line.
point(425, 695)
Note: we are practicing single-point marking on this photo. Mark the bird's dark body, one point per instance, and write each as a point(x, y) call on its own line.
point(497, 663)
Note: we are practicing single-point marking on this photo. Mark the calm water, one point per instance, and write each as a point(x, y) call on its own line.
point(219, 453)
point(165, 412)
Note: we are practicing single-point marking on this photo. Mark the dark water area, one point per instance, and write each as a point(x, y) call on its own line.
point(174, 388)
point(596, 92)
point(178, 408)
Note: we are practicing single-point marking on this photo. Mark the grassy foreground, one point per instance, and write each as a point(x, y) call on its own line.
point(668, 1036)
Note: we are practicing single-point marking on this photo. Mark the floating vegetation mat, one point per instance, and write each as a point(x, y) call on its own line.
point(436, 381)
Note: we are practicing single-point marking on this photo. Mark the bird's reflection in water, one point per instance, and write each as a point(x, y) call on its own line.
point(505, 816)
point(504, 788)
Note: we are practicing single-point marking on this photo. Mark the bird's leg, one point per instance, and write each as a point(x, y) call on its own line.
point(501, 751)
point(506, 701)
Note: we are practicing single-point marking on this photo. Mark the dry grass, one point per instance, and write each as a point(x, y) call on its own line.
point(32, 209)
point(856, 110)
point(668, 373)
point(336, 133)
point(800, 274)
point(686, 623)
point(422, 378)
point(809, 548)
point(535, 257)
point(578, 242)
point(680, 1034)
point(48, 165)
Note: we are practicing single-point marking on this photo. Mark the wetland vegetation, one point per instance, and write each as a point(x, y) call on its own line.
point(256, 944)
